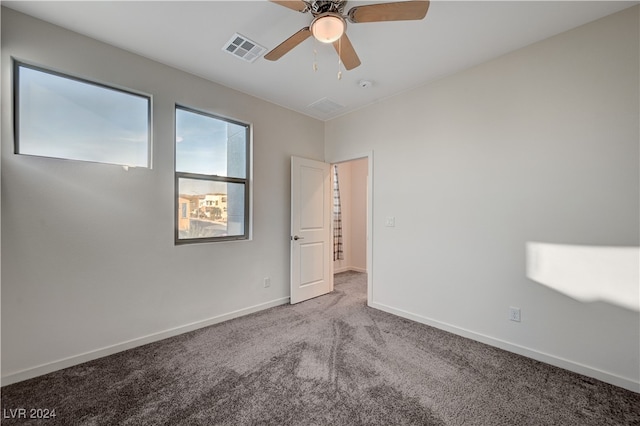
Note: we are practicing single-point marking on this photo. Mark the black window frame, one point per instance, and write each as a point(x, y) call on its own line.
point(17, 64)
point(246, 181)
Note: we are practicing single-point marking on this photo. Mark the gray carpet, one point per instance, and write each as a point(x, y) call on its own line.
point(328, 361)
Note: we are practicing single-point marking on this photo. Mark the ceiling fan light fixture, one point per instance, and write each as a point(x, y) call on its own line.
point(328, 27)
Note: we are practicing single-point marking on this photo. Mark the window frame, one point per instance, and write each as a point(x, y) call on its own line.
point(246, 181)
point(17, 64)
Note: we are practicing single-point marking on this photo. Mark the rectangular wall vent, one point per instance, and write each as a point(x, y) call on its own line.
point(243, 48)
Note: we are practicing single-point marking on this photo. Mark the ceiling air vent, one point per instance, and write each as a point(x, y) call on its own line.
point(243, 48)
point(325, 106)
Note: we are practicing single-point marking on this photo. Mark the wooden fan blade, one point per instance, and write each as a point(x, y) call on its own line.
point(279, 51)
point(347, 53)
point(399, 11)
point(296, 5)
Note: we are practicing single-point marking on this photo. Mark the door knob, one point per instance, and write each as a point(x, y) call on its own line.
point(296, 238)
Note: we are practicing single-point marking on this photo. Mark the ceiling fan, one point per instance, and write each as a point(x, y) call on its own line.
point(329, 23)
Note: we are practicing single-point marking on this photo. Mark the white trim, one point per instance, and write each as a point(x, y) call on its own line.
point(566, 364)
point(39, 370)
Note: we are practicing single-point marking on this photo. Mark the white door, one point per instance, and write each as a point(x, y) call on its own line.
point(311, 243)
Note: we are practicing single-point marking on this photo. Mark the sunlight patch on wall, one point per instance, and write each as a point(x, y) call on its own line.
point(588, 273)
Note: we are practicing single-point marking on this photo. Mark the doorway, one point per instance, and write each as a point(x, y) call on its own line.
point(353, 177)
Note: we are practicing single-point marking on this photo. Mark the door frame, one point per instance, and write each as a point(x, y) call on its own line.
point(345, 159)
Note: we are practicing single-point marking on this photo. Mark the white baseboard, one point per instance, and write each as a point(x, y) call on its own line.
point(517, 349)
point(566, 364)
point(348, 268)
point(50, 367)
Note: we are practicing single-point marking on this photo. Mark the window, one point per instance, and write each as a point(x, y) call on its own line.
point(212, 177)
point(66, 117)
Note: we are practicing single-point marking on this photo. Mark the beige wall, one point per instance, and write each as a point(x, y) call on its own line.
point(538, 145)
point(78, 280)
point(358, 194)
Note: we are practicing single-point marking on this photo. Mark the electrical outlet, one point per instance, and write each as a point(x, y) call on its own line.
point(267, 282)
point(390, 221)
point(514, 314)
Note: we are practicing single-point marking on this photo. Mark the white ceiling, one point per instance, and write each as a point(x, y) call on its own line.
point(396, 56)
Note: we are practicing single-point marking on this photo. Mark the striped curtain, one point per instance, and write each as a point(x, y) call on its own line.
point(337, 218)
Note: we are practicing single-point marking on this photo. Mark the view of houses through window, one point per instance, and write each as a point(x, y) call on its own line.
point(211, 177)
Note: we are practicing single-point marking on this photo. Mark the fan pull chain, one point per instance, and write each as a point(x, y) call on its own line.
point(315, 59)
